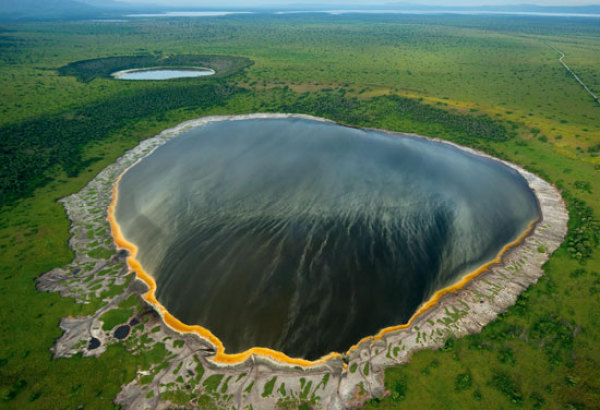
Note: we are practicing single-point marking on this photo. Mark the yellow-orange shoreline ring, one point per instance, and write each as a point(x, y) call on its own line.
point(224, 358)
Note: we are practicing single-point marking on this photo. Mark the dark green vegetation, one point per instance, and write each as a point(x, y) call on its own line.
point(31, 148)
point(466, 128)
point(544, 352)
point(88, 70)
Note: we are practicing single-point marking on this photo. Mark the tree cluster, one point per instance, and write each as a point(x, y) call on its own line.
point(28, 150)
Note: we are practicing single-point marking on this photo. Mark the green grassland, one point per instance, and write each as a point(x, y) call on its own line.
point(489, 82)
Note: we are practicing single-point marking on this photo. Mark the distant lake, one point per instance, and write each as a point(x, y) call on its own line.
point(370, 11)
point(191, 14)
point(436, 12)
point(109, 21)
point(474, 12)
point(161, 74)
point(306, 236)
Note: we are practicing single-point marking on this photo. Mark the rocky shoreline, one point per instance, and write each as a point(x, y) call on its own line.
point(187, 375)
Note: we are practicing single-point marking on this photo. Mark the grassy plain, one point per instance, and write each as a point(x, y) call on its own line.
point(544, 352)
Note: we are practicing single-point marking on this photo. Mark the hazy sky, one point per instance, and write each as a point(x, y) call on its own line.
point(251, 3)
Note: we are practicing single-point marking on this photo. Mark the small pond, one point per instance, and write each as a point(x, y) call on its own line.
point(160, 73)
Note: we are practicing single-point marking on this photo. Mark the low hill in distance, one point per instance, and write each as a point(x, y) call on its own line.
point(45, 9)
point(39, 10)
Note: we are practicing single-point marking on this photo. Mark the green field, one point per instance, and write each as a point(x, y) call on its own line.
point(489, 82)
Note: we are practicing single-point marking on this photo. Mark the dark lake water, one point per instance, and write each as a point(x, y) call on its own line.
point(305, 236)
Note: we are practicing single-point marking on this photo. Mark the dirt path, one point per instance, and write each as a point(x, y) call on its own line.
point(579, 80)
